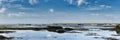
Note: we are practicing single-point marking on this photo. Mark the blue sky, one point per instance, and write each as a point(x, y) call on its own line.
point(59, 11)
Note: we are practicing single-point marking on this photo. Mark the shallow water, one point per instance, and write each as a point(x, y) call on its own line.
point(71, 35)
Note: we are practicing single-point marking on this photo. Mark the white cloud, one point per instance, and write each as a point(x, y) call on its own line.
point(18, 6)
point(32, 2)
point(106, 15)
point(86, 2)
point(99, 7)
point(51, 10)
point(11, 0)
point(112, 16)
point(13, 6)
point(20, 14)
point(93, 8)
point(2, 10)
point(95, 14)
point(105, 6)
point(79, 2)
point(1, 1)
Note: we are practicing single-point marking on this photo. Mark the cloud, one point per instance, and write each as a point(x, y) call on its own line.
point(93, 8)
point(106, 16)
point(7, 1)
point(20, 14)
point(32, 2)
point(18, 6)
point(51, 10)
point(105, 6)
point(23, 14)
point(13, 5)
point(95, 14)
point(99, 7)
point(79, 2)
point(2, 10)
point(112, 16)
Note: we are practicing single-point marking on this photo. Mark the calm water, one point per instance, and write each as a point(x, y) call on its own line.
point(95, 34)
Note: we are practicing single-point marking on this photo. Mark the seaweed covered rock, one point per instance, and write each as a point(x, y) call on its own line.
point(5, 38)
point(2, 37)
point(68, 29)
point(58, 29)
point(54, 27)
point(117, 28)
point(7, 31)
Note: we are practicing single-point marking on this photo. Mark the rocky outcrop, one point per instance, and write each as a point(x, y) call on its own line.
point(117, 28)
point(58, 29)
point(5, 38)
point(7, 31)
point(54, 27)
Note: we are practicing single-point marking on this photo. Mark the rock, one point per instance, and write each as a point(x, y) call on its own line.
point(109, 38)
point(106, 38)
point(3, 37)
point(68, 29)
point(117, 28)
point(7, 31)
point(60, 31)
point(54, 27)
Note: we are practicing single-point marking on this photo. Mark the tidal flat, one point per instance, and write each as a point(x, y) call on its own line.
point(91, 34)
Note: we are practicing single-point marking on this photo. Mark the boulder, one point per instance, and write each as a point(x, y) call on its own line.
point(68, 29)
point(60, 31)
point(54, 27)
point(117, 28)
point(5, 38)
point(7, 31)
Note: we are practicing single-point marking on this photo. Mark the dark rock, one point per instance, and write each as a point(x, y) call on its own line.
point(68, 29)
point(117, 28)
point(57, 29)
point(60, 31)
point(106, 38)
point(7, 31)
point(109, 38)
point(3, 37)
point(54, 27)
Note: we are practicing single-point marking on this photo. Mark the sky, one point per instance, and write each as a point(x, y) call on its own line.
point(59, 11)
